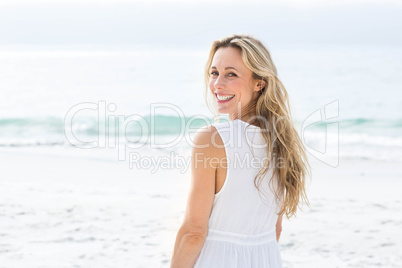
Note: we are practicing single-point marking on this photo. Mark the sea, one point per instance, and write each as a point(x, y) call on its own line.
point(345, 100)
point(71, 117)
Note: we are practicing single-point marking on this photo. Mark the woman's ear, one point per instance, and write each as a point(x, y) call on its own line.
point(260, 85)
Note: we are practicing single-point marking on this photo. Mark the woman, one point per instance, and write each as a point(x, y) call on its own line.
point(227, 223)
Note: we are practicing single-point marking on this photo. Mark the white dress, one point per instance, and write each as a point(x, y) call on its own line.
point(241, 228)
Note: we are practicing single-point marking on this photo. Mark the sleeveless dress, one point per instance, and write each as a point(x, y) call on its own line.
point(241, 227)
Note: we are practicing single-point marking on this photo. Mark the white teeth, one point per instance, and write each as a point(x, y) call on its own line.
point(227, 97)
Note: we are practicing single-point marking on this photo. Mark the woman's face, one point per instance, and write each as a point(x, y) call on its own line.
point(230, 78)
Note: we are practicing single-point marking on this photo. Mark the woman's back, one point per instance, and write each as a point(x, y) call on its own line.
point(241, 227)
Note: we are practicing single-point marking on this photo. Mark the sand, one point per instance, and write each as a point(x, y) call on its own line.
point(70, 207)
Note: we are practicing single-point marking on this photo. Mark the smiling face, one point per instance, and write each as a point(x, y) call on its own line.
point(231, 82)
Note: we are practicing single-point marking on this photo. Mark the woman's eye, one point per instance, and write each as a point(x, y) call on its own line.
point(229, 73)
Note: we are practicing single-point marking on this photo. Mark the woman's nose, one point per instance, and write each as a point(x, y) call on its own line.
point(219, 82)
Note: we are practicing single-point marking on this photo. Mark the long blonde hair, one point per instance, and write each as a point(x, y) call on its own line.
point(272, 114)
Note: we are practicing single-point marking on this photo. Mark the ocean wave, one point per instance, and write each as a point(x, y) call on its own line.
point(359, 137)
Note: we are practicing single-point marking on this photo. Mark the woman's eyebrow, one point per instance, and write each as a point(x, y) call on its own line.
point(213, 67)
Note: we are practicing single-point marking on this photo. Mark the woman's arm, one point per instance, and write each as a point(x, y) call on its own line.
point(279, 226)
point(186, 249)
point(193, 231)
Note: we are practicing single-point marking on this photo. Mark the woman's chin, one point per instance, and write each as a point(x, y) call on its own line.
point(223, 110)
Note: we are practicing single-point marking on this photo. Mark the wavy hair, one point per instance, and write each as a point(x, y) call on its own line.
point(271, 111)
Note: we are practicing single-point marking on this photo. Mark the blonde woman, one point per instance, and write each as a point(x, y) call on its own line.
point(247, 172)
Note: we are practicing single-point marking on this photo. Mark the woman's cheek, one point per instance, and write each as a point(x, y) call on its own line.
point(211, 86)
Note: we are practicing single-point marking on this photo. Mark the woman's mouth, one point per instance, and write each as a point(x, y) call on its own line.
point(223, 98)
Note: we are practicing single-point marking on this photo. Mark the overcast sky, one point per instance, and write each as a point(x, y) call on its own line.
point(194, 23)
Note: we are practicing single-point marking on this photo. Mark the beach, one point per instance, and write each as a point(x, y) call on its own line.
point(72, 207)
point(63, 205)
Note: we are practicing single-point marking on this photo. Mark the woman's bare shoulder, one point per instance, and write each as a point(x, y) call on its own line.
point(208, 141)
